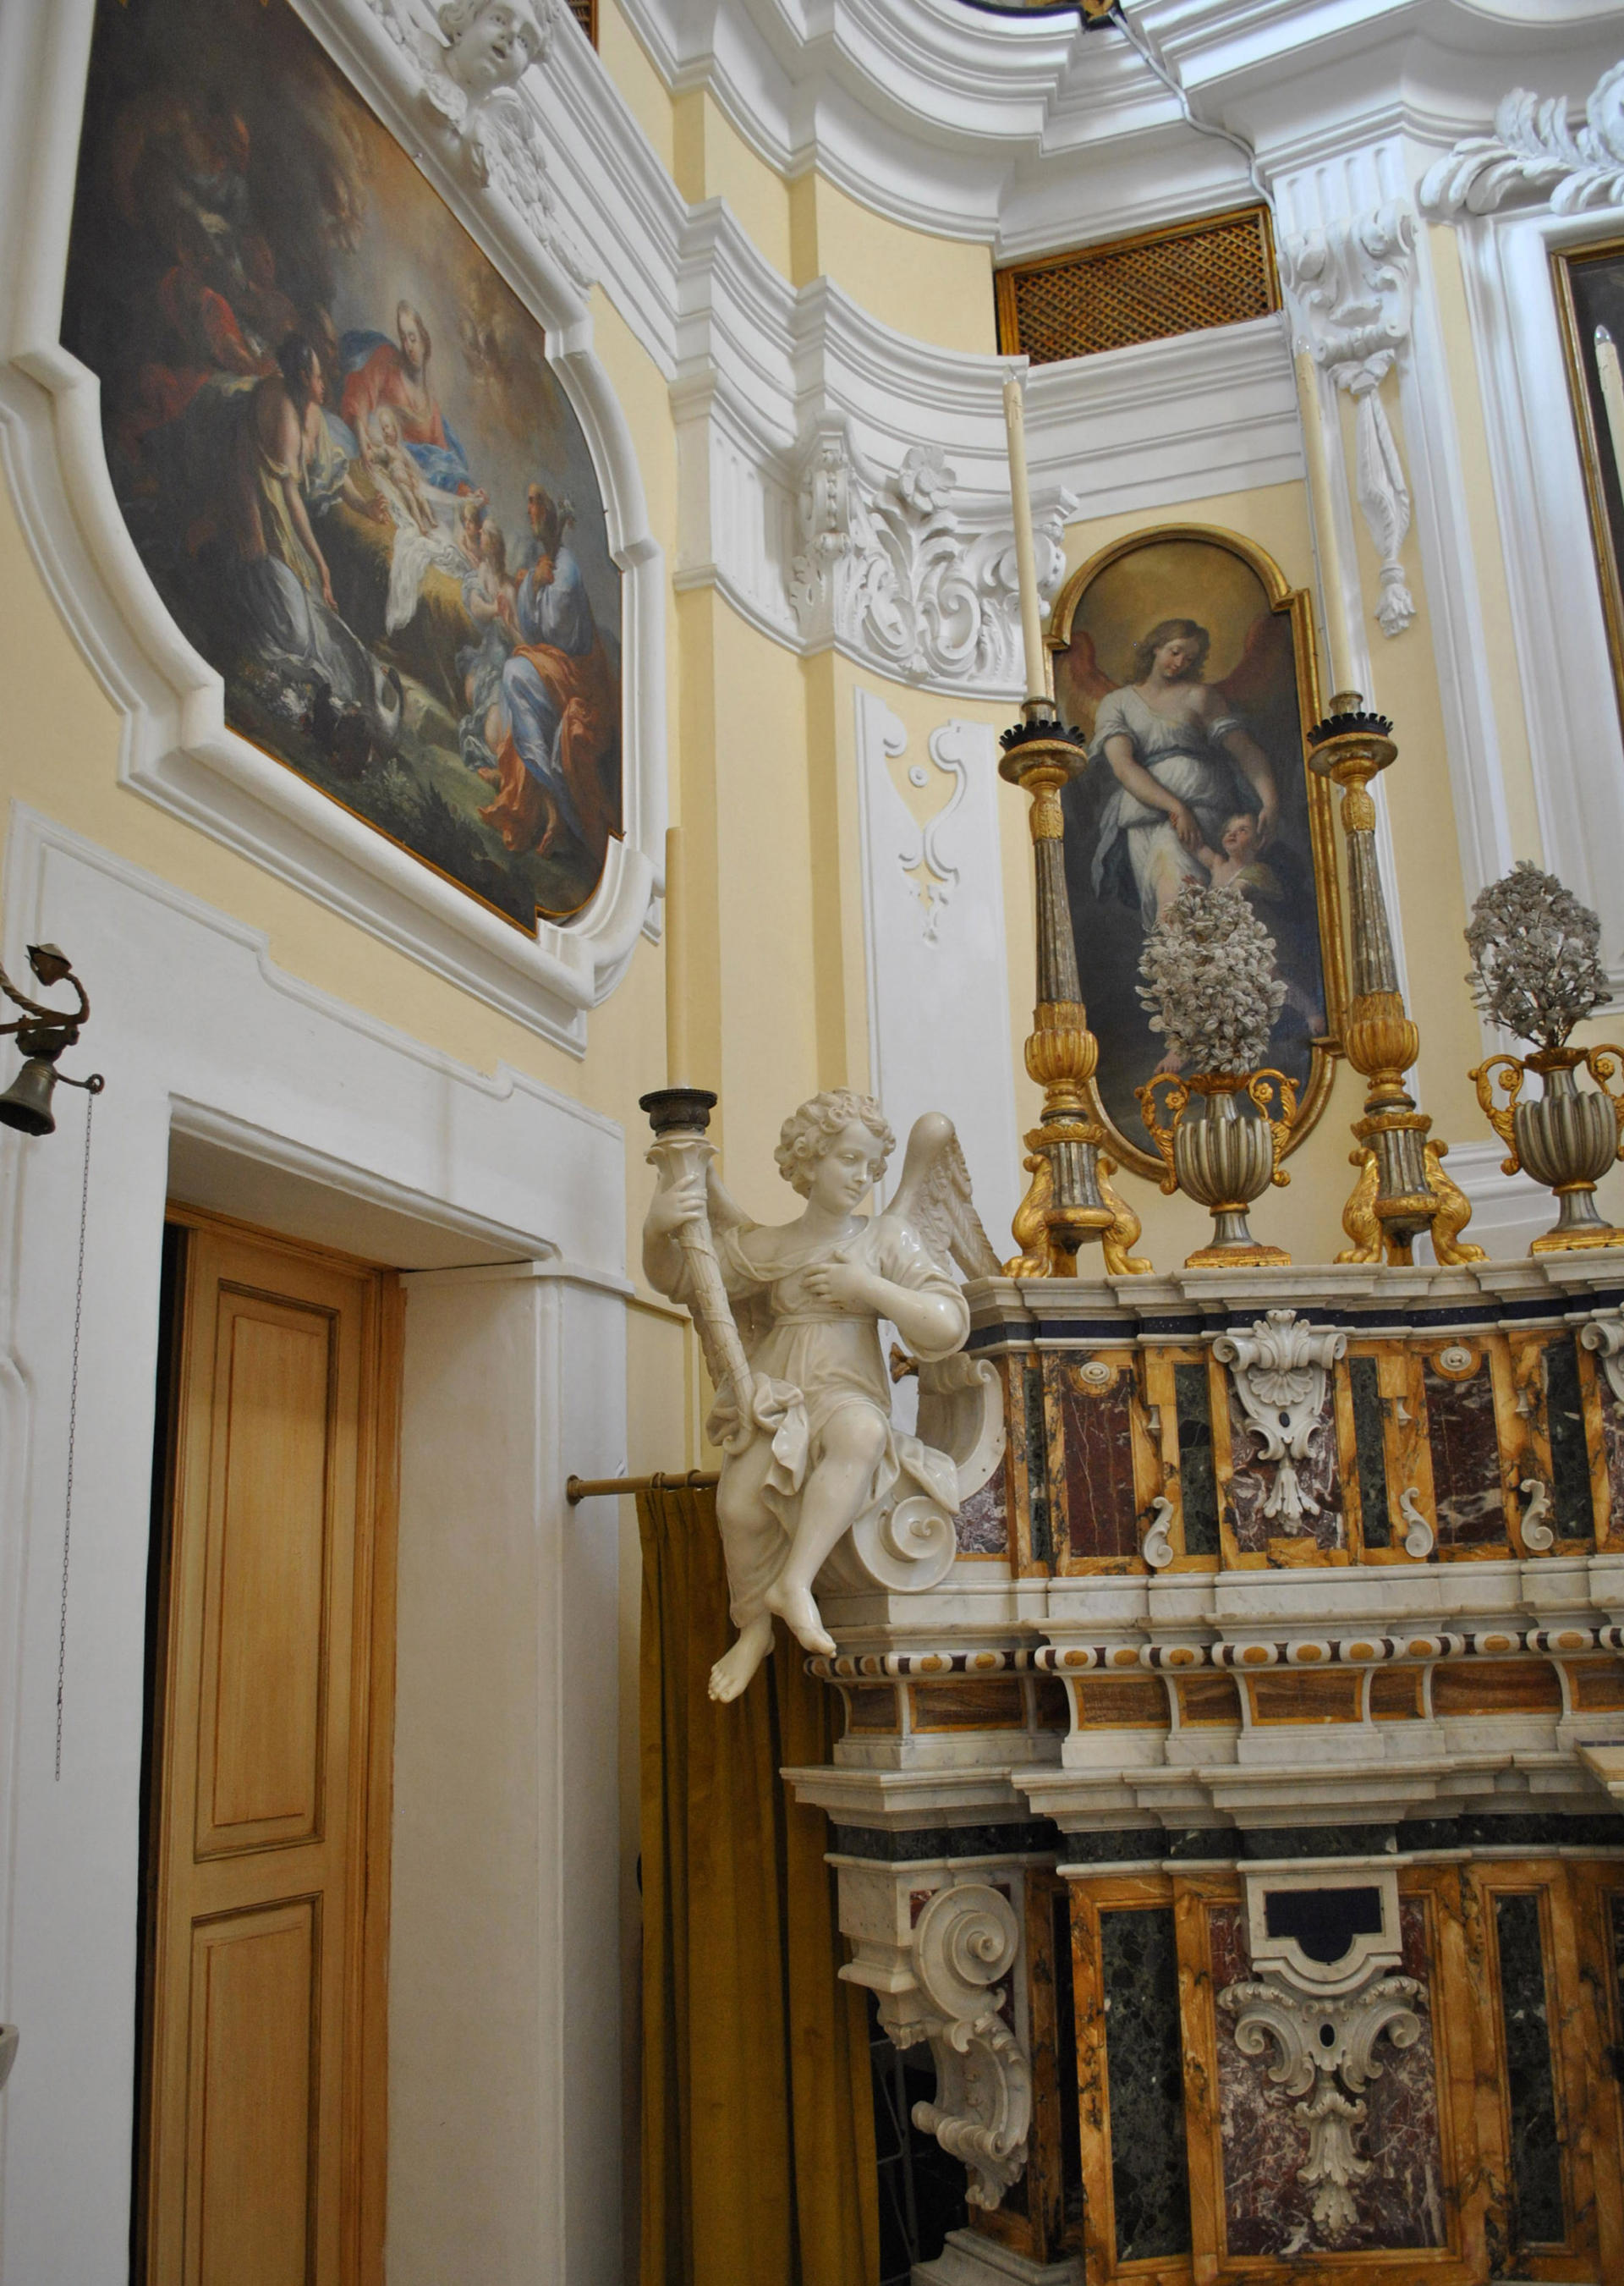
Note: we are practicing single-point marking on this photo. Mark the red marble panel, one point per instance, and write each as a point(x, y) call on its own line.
point(1101, 1515)
point(1268, 2210)
point(1468, 1494)
point(1253, 1478)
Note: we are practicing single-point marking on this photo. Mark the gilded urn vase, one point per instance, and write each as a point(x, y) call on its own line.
point(1567, 1138)
point(1220, 1155)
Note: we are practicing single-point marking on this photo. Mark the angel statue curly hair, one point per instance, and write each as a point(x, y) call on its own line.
point(808, 1133)
point(1166, 631)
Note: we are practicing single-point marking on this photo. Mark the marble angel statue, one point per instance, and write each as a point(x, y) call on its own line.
point(809, 1450)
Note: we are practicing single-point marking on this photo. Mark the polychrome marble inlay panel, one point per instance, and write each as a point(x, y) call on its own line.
point(1268, 2210)
point(1101, 1514)
point(1253, 1481)
point(1466, 1485)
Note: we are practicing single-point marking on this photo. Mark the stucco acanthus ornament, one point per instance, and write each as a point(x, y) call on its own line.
point(1280, 1371)
point(471, 56)
point(1326, 2058)
point(1351, 290)
point(886, 568)
point(1533, 151)
point(967, 1937)
point(818, 1488)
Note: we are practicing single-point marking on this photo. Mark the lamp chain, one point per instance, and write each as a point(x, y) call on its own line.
point(73, 1424)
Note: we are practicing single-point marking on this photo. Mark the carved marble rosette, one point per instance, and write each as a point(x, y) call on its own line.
point(1069, 1204)
point(1219, 1156)
point(1403, 1188)
point(1566, 1138)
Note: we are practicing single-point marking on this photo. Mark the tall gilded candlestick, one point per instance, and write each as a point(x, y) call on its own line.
point(1069, 1204)
point(1402, 1189)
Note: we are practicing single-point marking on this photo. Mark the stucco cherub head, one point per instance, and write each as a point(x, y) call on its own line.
point(491, 44)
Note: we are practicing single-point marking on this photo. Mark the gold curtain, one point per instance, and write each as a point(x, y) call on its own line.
point(758, 2126)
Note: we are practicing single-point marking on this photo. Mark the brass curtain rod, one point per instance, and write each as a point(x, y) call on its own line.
point(580, 1488)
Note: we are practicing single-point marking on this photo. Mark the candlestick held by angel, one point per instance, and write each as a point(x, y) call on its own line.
point(808, 1447)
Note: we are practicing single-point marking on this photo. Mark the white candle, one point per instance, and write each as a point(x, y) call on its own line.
point(1319, 495)
point(677, 1069)
point(1026, 550)
point(1613, 393)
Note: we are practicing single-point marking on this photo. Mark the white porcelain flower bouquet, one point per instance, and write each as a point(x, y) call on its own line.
point(1536, 971)
point(1211, 986)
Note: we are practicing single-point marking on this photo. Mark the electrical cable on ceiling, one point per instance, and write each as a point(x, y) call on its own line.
point(1145, 48)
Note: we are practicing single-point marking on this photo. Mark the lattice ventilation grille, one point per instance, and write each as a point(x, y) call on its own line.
point(1214, 273)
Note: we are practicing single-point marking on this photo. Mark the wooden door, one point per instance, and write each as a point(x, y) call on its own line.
point(269, 1841)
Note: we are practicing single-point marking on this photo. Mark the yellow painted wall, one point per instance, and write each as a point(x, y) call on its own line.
point(937, 289)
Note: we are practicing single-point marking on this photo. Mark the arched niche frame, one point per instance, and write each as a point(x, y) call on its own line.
point(1262, 654)
point(177, 748)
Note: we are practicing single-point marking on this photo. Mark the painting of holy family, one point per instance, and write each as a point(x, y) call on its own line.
point(1186, 661)
point(344, 461)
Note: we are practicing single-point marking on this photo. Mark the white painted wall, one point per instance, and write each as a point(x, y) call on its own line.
point(508, 1801)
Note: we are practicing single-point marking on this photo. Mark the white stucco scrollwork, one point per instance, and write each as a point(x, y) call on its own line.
point(1324, 2019)
point(471, 56)
point(1278, 1370)
point(1327, 2057)
point(967, 1938)
point(1350, 289)
point(886, 569)
point(1157, 1546)
point(1533, 152)
point(1604, 1335)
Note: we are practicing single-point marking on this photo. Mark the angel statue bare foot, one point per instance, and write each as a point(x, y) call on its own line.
point(808, 1447)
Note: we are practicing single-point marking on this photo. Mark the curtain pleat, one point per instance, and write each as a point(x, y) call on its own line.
point(758, 2127)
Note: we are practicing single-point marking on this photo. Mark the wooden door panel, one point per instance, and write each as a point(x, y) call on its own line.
point(262, 2155)
point(254, 2096)
point(275, 1479)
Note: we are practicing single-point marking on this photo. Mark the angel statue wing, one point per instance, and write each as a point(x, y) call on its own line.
point(934, 1200)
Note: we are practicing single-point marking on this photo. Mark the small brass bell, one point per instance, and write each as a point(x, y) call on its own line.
point(26, 1104)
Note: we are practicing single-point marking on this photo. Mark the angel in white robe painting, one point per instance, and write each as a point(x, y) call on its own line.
point(1191, 779)
point(809, 1449)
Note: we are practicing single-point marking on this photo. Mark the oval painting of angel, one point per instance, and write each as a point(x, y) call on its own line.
point(346, 465)
point(1186, 661)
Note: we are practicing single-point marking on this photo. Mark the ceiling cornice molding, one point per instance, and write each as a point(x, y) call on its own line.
point(1007, 130)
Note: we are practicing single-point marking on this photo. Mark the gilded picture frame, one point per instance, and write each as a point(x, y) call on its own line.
point(1256, 646)
point(1588, 282)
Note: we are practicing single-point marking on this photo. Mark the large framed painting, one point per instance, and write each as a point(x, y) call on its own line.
point(1187, 660)
point(1589, 283)
point(341, 455)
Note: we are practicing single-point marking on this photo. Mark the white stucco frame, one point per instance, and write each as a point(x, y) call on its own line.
point(505, 2089)
point(1569, 698)
point(177, 748)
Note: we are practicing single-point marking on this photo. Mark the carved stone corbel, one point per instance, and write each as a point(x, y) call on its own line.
point(1350, 289)
point(1280, 1372)
point(966, 1939)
